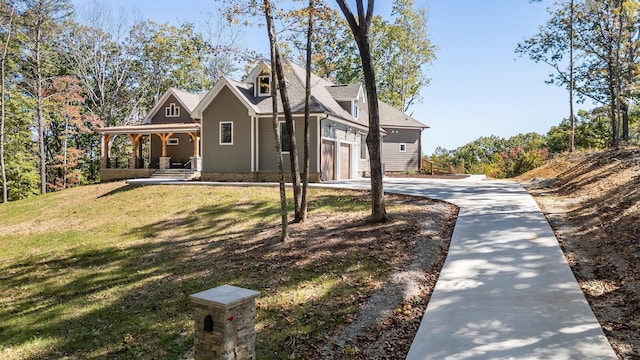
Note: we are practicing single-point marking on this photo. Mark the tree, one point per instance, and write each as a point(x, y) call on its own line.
point(166, 56)
point(361, 28)
point(95, 51)
point(39, 20)
point(605, 44)
point(8, 13)
point(268, 13)
point(307, 100)
point(66, 128)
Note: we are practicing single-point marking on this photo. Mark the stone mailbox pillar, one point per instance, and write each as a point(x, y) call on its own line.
point(225, 323)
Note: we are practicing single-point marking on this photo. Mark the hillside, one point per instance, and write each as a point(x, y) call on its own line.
point(592, 201)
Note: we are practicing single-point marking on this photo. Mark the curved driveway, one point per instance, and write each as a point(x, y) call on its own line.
point(506, 290)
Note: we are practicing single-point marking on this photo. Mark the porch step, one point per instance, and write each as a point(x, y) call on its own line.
point(175, 174)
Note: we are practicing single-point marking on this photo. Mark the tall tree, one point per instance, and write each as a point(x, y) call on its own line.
point(605, 44)
point(7, 14)
point(40, 21)
point(165, 55)
point(307, 100)
point(361, 27)
point(94, 48)
point(268, 13)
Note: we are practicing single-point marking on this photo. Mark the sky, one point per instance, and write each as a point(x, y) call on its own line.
point(479, 85)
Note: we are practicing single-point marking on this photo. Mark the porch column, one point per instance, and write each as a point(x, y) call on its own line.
point(195, 159)
point(165, 161)
point(104, 159)
point(135, 143)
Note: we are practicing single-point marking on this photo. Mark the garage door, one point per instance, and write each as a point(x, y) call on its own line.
point(345, 161)
point(328, 161)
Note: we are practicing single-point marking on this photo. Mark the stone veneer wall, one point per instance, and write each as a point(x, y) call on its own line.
point(107, 175)
point(251, 177)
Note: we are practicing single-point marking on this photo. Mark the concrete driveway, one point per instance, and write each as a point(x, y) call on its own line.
point(506, 290)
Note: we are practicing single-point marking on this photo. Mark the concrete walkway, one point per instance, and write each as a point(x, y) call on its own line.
point(506, 290)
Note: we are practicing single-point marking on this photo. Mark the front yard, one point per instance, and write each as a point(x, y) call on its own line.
point(105, 271)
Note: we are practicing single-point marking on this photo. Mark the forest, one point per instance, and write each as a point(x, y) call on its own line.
point(67, 71)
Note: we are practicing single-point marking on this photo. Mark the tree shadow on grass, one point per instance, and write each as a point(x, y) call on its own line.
point(131, 300)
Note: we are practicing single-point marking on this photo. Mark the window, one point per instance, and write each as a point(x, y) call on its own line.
point(226, 133)
point(264, 85)
point(403, 147)
point(172, 110)
point(284, 137)
point(363, 147)
point(355, 109)
point(173, 141)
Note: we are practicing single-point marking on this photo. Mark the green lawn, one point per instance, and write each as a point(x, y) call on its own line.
point(106, 270)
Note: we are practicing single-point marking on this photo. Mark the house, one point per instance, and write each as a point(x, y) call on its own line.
point(226, 134)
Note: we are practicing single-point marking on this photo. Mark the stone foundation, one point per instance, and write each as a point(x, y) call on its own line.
point(165, 162)
point(107, 175)
point(252, 177)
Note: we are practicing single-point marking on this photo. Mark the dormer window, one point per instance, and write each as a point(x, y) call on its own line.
point(264, 85)
point(355, 109)
point(172, 110)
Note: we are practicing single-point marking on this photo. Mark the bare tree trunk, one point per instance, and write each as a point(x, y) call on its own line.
point(293, 147)
point(5, 50)
point(571, 117)
point(624, 108)
point(284, 235)
point(360, 30)
point(42, 154)
point(307, 99)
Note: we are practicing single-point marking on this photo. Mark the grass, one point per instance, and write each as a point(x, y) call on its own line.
point(105, 271)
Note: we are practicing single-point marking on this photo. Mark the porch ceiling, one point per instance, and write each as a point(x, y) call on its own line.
point(176, 128)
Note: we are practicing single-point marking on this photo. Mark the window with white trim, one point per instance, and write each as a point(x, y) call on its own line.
point(264, 85)
point(403, 147)
point(363, 147)
point(173, 141)
point(355, 109)
point(226, 133)
point(172, 110)
point(284, 137)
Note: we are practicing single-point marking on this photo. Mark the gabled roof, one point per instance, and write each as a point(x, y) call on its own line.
point(391, 117)
point(238, 88)
point(345, 92)
point(188, 100)
point(324, 98)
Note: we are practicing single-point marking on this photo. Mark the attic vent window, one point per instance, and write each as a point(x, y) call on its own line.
point(355, 109)
point(172, 110)
point(264, 85)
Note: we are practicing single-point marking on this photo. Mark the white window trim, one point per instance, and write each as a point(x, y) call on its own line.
point(403, 147)
point(172, 110)
point(173, 141)
point(355, 109)
point(220, 133)
point(259, 90)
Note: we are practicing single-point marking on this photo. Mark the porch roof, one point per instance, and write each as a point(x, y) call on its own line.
point(176, 128)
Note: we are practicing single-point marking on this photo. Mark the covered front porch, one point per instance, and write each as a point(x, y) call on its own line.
point(169, 145)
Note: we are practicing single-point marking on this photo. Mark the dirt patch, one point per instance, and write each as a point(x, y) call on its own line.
point(416, 243)
point(591, 200)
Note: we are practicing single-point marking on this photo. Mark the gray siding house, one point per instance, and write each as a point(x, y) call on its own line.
point(226, 134)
